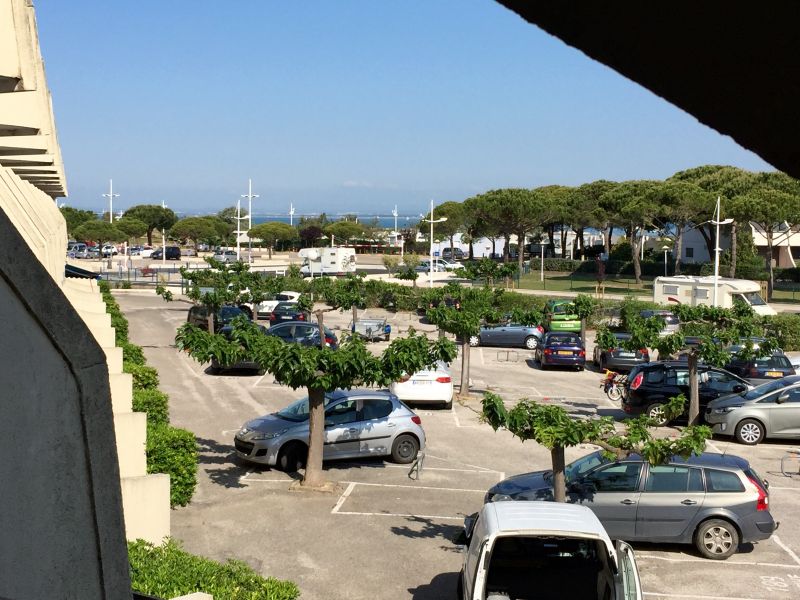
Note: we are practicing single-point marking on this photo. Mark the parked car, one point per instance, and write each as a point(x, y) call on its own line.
point(264, 309)
point(765, 367)
point(618, 358)
point(358, 423)
point(109, 250)
point(453, 253)
point(302, 332)
point(172, 253)
point(559, 315)
point(244, 365)
point(545, 551)
point(714, 501)
point(225, 256)
point(449, 265)
point(771, 410)
point(198, 316)
point(509, 334)
point(428, 386)
point(650, 386)
point(287, 311)
point(146, 252)
point(561, 349)
point(671, 322)
point(425, 266)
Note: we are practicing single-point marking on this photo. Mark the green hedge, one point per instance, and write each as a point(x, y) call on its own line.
point(144, 377)
point(153, 402)
point(173, 451)
point(132, 353)
point(168, 571)
point(786, 329)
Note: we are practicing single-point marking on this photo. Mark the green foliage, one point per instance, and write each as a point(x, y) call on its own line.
point(585, 306)
point(173, 451)
point(100, 232)
point(144, 377)
point(168, 571)
point(75, 217)
point(132, 228)
point(391, 262)
point(131, 353)
point(630, 309)
point(620, 251)
point(153, 402)
point(785, 328)
point(273, 232)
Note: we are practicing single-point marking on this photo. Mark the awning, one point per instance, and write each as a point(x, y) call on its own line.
point(73, 271)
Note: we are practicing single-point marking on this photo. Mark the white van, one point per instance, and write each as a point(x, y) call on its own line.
point(691, 290)
point(327, 261)
point(544, 550)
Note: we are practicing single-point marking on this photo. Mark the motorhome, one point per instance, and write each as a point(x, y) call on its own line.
point(327, 261)
point(692, 290)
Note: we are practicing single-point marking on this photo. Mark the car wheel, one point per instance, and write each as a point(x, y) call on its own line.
point(292, 457)
point(749, 432)
point(404, 449)
point(449, 404)
point(716, 539)
point(603, 363)
point(579, 368)
point(531, 343)
point(474, 340)
point(656, 412)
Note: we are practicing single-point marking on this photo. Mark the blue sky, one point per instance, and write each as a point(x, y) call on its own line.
point(342, 106)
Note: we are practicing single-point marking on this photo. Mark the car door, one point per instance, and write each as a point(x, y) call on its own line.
point(784, 414)
point(490, 335)
point(377, 430)
point(342, 429)
point(630, 587)
point(612, 492)
point(671, 498)
point(284, 332)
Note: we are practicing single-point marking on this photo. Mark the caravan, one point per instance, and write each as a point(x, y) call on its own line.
point(327, 261)
point(682, 289)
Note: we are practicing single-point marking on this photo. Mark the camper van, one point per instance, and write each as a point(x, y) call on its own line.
point(327, 261)
point(700, 290)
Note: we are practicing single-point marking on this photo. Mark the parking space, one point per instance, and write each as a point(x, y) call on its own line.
point(383, 534)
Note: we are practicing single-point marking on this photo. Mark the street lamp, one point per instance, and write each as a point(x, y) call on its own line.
point(432, 221)
point(717, 249)
point(666, 249)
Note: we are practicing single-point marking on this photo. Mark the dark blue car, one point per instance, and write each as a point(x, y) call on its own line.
point(561, 348)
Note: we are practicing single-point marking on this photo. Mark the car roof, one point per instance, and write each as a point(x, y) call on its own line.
point(360, 393)
point(706, 459)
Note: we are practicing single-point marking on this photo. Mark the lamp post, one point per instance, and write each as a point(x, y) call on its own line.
point(250, 195)
point(291, 214)
point(110, 195)
point(432, 221)
point(665, 248)
point(717, 249)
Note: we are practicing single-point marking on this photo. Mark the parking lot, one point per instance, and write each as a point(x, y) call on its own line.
point(382, 534)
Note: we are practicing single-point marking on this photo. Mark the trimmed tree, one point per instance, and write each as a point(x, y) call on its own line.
point(154, 216)
point(273, 232)
point(194, 228)
point(75, 217)
point(100, 232)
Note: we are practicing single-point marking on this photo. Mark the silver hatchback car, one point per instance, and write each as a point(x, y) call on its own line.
point(358, 423)
point(770, 410)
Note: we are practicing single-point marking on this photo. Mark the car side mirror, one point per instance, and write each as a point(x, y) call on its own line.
point(464, 538)
point(739, 388)
point(782, 398)
point(702, 377)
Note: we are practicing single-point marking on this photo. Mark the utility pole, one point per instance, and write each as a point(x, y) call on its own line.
point(250, 195)
point(163, 242)
point(291, 214)
point(110, 195)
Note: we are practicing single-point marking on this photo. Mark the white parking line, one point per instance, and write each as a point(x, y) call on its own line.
point(480, 353)
point(693, 596)
point(788, 550)
point(704, 561)
point(713, 447)
point(260, 379)
point(343, 497)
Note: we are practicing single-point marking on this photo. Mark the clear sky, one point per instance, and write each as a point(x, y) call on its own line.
point(342, 105)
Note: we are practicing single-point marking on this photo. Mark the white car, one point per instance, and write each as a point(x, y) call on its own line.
point(450, 265)
point(146, 252)
point(429, 386)
point(225, 256)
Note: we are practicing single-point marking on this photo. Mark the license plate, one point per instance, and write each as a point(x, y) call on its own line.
point(774, 374)
point(417, 382)
point(565, 352)
point(626, 354)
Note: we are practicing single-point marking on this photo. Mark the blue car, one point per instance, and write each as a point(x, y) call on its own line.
point(561, 348)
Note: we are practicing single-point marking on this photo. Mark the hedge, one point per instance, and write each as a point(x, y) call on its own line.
point(173, 451)
point(144, 377)
point(132, 353)
point(153, 402)
point(168, 571)
point(786, 329)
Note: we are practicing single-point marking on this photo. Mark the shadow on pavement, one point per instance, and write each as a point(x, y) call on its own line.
point(211, 452)
point(441, 587)
point(422, 528)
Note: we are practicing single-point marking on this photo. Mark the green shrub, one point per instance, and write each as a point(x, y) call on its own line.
point(132, 353)
point(509, 301)
point(103, 286)
point(173, 451)
point(144, 377)
point(785, 328)
point(629, 310)
point(120, 325)
point(153, 402)
point(168, 571)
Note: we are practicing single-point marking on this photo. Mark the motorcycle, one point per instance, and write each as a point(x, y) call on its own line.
point(613, 385)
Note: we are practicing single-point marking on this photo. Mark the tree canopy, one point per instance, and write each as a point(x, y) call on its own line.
point(154, 216)
point(76, 217)
point(100, 232)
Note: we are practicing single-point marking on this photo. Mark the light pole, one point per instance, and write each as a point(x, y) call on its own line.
point(665, 248)
point(431, 220)
point(110, 195)
point(163, 242)
point(291, 214)
point(717, 249)
point(250, 195)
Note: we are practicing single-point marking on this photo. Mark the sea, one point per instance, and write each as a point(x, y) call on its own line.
point(383, 221)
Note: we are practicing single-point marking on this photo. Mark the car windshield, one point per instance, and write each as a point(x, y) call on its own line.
point(298, 411)
point(765, 388)
point(563, 340)
point(776, 361)
point(577, 469)
point(753, 298)
point(562, 309)
point(229, 312)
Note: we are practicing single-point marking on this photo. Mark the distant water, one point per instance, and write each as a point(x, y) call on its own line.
point(383, 221)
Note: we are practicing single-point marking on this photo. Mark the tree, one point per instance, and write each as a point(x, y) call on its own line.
point(475, 224)
point(100, 232)
point(229, 214)
point(75, 218)
point(584, 306)
point(310, 234)
point(318, 369)
point(454, 213)
point(273, 232)
point(154, 216)
point(408, 270)
point(682, 203)
point(344, 230)
point(193, 228)
point(555, 429)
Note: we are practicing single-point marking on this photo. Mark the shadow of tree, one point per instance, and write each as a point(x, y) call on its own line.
point(211, 452)
point(442, 587)
point(423, 528)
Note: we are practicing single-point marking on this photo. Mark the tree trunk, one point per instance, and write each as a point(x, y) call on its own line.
point(771, 280)
point(678, 251)
point(507, 249)
point(564, 241)
point(150, 236)
point(471, 249)
point(494, 247)
point(465, 347)
point(551, 234)
point(316, 427)
point(708, 238)
point(583, 331)
point(520, 250)
point(608, 239)
point(694, 390)
point(732, 270)
point(270, 251)
point(559, 480)
point(355, 318)
point(636, 243)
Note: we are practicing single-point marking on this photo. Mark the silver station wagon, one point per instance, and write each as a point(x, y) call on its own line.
point(358, 423)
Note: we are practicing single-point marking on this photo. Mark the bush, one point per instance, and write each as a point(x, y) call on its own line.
point(785, 328)
point(132, 353)
point(629, 310)
point(509, 301)
point(168, 571)
point(173, 451)
point(144, 377)
point(153, 402)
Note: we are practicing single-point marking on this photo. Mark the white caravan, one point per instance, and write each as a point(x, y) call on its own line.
point(691, 290)
point(327, 261)
point(547, 550)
